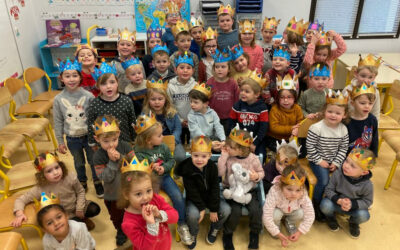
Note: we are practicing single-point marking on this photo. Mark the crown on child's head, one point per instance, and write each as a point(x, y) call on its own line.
point(220, 57)
point(171, 7)
point(258, 77)
point(316, 26)
point(104, 69)
point(79, 47)
point(369, 61)
point(131, 61)
point(226, 10)
point(209, 34)
point(239, 138)
point(144, 122)
point(298, 27)
point(159, 84)
point(357, 155)
point(154, 31)
point(68, 65)
point(236, 51)
point(292, 144)
point(203, 88)
point(159, 48)
point(195, 22)
point(271, 23)
point(179, 27)
point(363, 89)
point(318, 71)
point(105, 127)
point(324, 39)
point(247, 26)
point(46, 201)
point(287, 82)
point(292, 179)
point(337, 98)
point(135, 165)
point(185, 58)
point(126, 35)
point(282, 52)
point(200, 145)
point(48, 160)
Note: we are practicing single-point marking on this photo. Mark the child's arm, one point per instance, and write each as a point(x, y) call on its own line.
point(170, 212)
point(20, 203)
point(84, 239)
point(309, 56)
point(342, 150)
point(340, 43)
point(213, 202)
point(80, 195)
point(139, 236)
point(309, 215)
point(257, 168)
point(193, 125)
point(222, 160)
point(59, 125)
point(312, 140)
point(330, 189)
point(106, 170)
point(193, 194)
point(177, 129)
point(268, 212)
point(233, 116)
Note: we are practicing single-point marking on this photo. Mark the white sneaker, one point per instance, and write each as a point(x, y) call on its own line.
point(183, 231)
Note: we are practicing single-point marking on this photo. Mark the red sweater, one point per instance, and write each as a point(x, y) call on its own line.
point(224, 95)
point(134, 226)
point(89, 84)
point(256, 55)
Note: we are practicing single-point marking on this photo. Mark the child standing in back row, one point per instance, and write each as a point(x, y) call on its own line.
point(154, 34)
point(172, 15)
point(268, 31)
point(247, 37)
point(196, 30)
point(228, 37)
point(208, 48)
point(87, 56)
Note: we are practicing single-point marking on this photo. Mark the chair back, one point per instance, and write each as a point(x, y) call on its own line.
point(13, 85)
point(33, 74)
point(169, 140)
point(5, 96)
point(304, 126)
point(395, 89)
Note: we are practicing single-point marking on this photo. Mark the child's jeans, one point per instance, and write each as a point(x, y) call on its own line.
point(292, 217)
point(356, 216)
point(169, 186)
point(76, 146)
point(193, 215)
point(322, 175)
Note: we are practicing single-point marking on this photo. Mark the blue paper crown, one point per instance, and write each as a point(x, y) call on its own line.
point(68, 65)
point(184, 59)
point(154, 31)
point(220, 57)
point(132, 61)
point(282, 53)
point(316, 26)
point(159, 48)
point(236, 51)
point(104, 69)
point(320, 72)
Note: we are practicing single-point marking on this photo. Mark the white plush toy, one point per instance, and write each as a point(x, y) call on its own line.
point(239, 185)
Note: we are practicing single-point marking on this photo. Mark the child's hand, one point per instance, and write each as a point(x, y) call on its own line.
point(160, 170)
point(315, 38)
point(80, 214)
point(331, 33)
point(239, 80)
point(253, 176)
point(224, 150)
point(284, 240)
point(324, 164)
point(213, 217)
point(155, 211)
point(185, 124)
point(293, 49)
point(113, 154)
point(332, 167)
point(252, 148)
point(216, 145)
point(62, 149)
point(155, 166)
point(346, 204)
point(148, 214)
point(294, 237)
point(19, 219)
point(277, 42)
point(202, 212)
point(311, 116)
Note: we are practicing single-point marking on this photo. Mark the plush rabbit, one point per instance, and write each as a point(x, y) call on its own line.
point(76, 117)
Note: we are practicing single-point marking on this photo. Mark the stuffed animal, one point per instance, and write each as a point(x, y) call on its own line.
point(239, 185)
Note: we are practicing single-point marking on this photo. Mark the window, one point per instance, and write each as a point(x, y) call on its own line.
point(359, 18)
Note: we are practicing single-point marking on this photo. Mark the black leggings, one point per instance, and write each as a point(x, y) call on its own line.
point(92, 210)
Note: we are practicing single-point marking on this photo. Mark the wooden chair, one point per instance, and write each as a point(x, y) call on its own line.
point(392, 138)
point(33, 74)
point(169, 140)
point(11, 241)
point(11, 143)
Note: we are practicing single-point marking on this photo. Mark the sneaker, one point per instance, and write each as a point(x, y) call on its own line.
point(290, 227)
point(332, 224)
point(253, 242)
point(183, 231)
point(89, 224)
point(227, 242)
point(84, 185)
point(212, 235)
point(354, 230)
point(99, 189)
point(193, 245)
point(120, 238)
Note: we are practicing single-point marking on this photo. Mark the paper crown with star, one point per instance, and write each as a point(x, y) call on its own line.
point(159, 84)
point(46, 201)
point(159, 48)
point(131, 61)
point(292, 179)
point(154, 30)
point(271, 23)
point(195, 22)
point(203, 88)
point(282, 52)
point(179, 27)
point(209, 34)
point(369, 60)
point(220, 57)
point(247, 26)
point(357, 155)
point(226, 10)
point(144, 122)
point(200, 145)
point(236, 51)
point(287, 82)
point(84, 46)
point(68, 65)
point(320, 72)
point(135, 165)
point(258, 77)
point(104, 68)
point(105, 127)
point(363, 89)
point(48, 160)
point(127, 35)
point(238, 137)
point(337, 98)
point(316, 26)
point(298, 27)
point(171, 7)
point(293, 144)
point(324, 39)
point(185, 58)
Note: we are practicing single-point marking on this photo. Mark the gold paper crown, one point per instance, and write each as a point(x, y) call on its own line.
point(363, 89)
point(203, 88)
point(179, 27)
point(324, 39)
point(247, 26)
point(292, 179)
point(153, 84)
point(171, 7)
point(47, 161)
point(126, 35)
point(239, 138)
point(143, 122)
point(85, 46)
point(195, 22)
point(298, 27)
point(258, 77)
point(286, 83)
point(209, 34)
point(369, 60)
point(271, 23)
point(46, 201)
point(226, 10)
point(105, 127)
point(200, 145)
point(356, 155)
point(135, 165)
point(338, 98)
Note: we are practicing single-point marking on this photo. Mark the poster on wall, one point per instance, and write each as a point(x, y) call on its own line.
point(60, 32)
point(147, 10)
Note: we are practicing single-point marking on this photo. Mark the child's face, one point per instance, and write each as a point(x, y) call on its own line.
point(198, 105)
point(247, 94)
point(321, 55)
point(157, 102)
point(233, 151)
point(240, 64)
point(200, 159)
point(157, 137)
point(210, 47)
point(352, 169)
point(109, 89)
point(364, 75)
point(126, 48)
point(196, 34)
point(280, 163)
point(108, 142)
point(319, 83)
point(309, 35)
point(71, 79)
point(279, 64)
point(154, 41)
point(53, 173)
point(161, 63)
point(55, 223)
point(292, 192)
point(268, 35)
point(135, 75)
point(225, 23)
point(284, 35)
point(183, 42)
point(221, 70)
point(246, 38)
point(362, 105)
point(286, 99)
point(184, 72)
point(334, 115)
point(173, 18)
point(86, 57)
point(140, 194)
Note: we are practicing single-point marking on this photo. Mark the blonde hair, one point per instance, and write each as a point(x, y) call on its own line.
point(288, 151)
point(245, 151)
point(370, 68)
point(252, 83)
point(132, 67)
point(232, 64)
point(253, 42)
point(168, 110)
point(346, 110)
point(143, 138)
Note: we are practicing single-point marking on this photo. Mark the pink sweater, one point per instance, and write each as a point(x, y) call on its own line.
point(256, 55)
point(134, 226)
point(335, 53)
point(276, 199)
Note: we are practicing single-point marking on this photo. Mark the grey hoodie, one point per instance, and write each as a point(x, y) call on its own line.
point(179, 94)
point(207, 124)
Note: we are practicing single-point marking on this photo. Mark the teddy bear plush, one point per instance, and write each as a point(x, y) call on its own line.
point(239, 185)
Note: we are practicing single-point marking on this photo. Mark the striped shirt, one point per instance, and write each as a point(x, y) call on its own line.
point(326, 143)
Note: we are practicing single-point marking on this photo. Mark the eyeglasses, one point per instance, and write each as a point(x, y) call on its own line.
point(174, 15)
point(210, 46)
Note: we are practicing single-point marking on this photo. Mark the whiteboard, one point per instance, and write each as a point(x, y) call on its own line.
point(10, 62)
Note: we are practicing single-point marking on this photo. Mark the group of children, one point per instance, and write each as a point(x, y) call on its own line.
point(117, 116)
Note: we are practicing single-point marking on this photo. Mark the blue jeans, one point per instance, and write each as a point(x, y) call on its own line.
point(357, 216)
point(76, 146)
point(322, 175)
point(169, 186)
point(193, 215)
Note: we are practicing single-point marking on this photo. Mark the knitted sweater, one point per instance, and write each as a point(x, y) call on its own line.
point(207, 124)
point(282, 120)
point(312, 101)
point(179, 94)
point(256, 57)
point(195, 61)
point(137, 93)
point(267, 48)
point(224, 96)
point(363, 134)
point(228, 39)
point(157, 153)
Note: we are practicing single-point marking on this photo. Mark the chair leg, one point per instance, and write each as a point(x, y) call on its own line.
point(380, 143)
point(47, 134)
point(29, 150)
point(7, 163)
point(23, 244)
point(310, 191)
point(391, 174)
point(53, 138)
point(177, 237)
point(34, 146)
